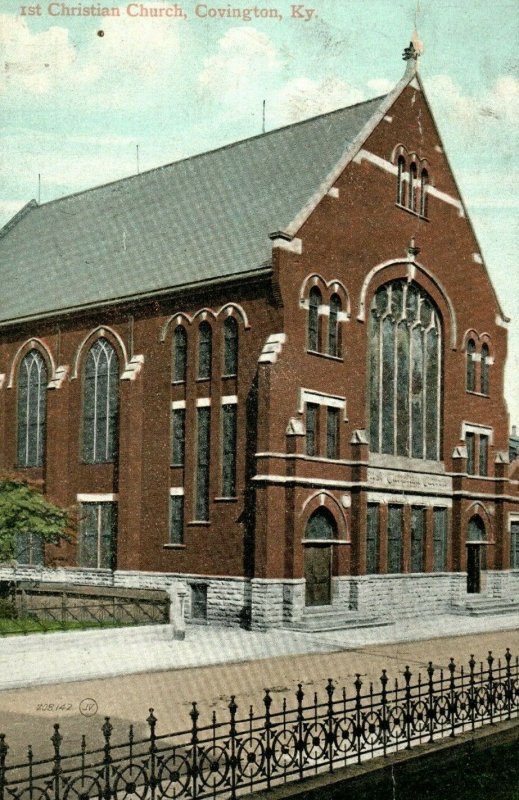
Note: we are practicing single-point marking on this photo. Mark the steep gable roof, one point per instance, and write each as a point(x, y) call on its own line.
point(196, 220)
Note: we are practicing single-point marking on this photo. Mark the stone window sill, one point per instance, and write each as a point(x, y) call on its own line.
point(225, 499)
point(477, 394)
point(199, 522)
point(325, 355)
point(170, 546)
point(412, 211)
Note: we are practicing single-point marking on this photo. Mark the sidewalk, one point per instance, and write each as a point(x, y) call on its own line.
point(43, 659)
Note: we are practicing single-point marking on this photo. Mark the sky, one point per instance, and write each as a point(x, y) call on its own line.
point(79, 93)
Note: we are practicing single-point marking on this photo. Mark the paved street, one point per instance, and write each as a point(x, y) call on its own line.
point(221, 661)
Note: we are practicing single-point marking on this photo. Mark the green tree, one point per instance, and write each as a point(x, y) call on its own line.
point(24, 510)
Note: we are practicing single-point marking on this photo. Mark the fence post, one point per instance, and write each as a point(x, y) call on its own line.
point(452, 698)
point(300, 743)
point(194, 714)
point(4, 747)
point(232, 732)
point(56, 740)
point(430, 673)
point(330, 688)
point(358, 708)
point(472, 691)
point(490, 660)
point(408, 714)
point(107, 758)
point(508, 658)
point(384, 725)
point(267, 701)
point(152, 722)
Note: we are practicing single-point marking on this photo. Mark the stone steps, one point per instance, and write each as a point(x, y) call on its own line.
point(479, 606)
point(326, 618)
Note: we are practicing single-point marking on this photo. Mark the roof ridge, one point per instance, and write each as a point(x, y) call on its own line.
point(206, 152)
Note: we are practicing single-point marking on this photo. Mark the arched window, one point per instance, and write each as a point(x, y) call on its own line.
point(476, 532)
point(230, 354)
point(205, 350)
point(411, 197)
point(400, 185)
point(179, 354)
point(471, 366)
point(405, 372)
point(424, 182)
point(32, 401)
point(321, 525)
point(485, 369)
point(334, 344)
point(100, 403)
point(313, 319)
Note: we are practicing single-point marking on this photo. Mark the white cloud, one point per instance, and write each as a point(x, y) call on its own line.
point(244, 57)
point(499, 104)
point(380, 85)
point(304, 97)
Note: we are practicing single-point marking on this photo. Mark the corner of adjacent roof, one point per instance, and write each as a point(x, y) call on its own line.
point(410, 55)
point(17, 217)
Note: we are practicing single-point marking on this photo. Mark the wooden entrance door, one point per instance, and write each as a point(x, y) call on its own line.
point(318, 573)
point(473, 568)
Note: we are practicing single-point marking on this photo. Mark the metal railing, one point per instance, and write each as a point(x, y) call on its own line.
point(31, 611)
point(243, 754)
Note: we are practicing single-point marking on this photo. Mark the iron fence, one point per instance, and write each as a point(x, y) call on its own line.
point(242, 754)
point(29, 610)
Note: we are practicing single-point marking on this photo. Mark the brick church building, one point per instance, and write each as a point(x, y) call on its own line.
point(272, 372)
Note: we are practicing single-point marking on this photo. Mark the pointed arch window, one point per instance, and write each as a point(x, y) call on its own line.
point(230, 354)
point(424, 183)
point(179, 354)
point(205, 350)
point(471, 366)
point(400, 185)
point(334, 344)
point(411, 198)
point(100, 403)
point(314, 301)
point(405, 372)
point(485, 369)
point(32, 404)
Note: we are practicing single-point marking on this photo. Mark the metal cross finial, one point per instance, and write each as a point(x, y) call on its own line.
point(411, 53)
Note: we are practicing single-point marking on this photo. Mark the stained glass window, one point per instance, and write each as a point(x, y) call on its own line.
point(230, 335)
point(400, 186)
point(178, 424)
point(313, 318)
point(332, 432)
point(440, 520)
point(417, 539)
point(372, 541)
point(97, 535)
point(100, 403)
point(404, 372)
point(471, 366)
point(470, 441)
point(176, 521)
point(28, 549)
point(483, 455)
point(334, 326)
point(424, 182)
point(514, 545)
point(312, 413)
point(202, 462)
point(394, 538)
point(205, 350)
point(32, 401)
point(411, 198)
point(179, 354)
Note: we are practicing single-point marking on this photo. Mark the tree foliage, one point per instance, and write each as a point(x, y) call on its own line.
point(24, 510)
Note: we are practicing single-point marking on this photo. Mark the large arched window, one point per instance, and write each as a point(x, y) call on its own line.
point(471, 366)
point(424, 183)
point(334, 344)
point(485, 369)
point(32, 397)
point(179, 354)
point(100, 403)
point(230, 346)
point(205, 350)
point(404, 372)
point(314, 301)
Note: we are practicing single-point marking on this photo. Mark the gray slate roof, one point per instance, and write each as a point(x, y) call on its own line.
point(198, 219)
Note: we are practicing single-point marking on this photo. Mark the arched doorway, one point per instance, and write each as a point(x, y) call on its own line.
point(476, 554)
point(321, 530)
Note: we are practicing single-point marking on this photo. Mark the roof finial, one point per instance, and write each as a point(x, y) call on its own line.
point(412, 53)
